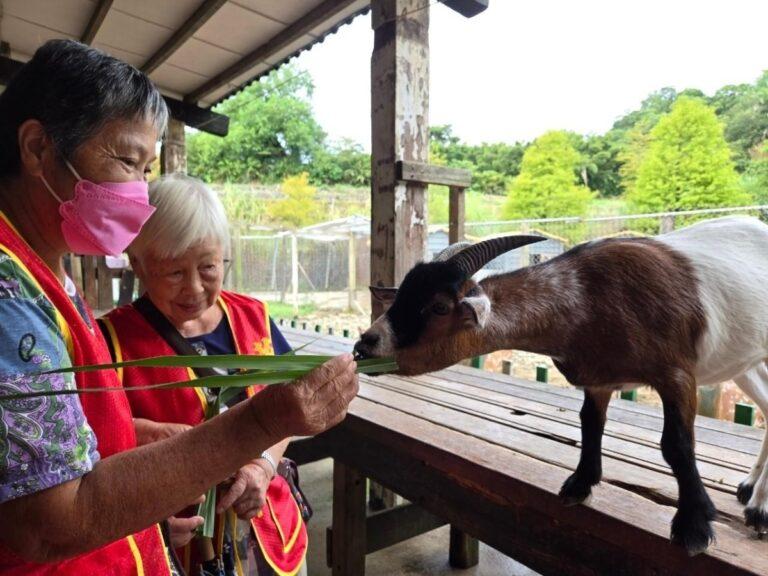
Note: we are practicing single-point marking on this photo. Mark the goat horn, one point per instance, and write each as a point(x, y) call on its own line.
point(471, 259)
point(451, 250)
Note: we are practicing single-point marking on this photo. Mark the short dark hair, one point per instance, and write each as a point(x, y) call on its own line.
point(73, 90)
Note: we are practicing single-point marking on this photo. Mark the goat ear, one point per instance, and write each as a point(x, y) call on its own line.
point(384, 295)
point(476, 310)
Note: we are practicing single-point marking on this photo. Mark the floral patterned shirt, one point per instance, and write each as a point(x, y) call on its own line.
point(44, 441)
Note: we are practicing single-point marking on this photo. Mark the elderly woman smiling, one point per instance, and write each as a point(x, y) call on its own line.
point(179, 257)
point(78, 131)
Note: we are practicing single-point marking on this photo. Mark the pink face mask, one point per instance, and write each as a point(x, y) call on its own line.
point(102, 219)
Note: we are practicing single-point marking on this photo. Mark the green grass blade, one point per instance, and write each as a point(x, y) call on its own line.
point(265, 378)
point(207, 510)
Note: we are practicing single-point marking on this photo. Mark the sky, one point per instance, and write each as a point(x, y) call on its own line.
point(523, 67)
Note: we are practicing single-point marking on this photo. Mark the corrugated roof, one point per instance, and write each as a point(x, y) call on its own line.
point(232, 42)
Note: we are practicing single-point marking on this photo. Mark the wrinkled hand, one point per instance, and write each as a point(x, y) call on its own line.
point(247, 494)
point(148, 431)
point(183, 529)
point(310, 404)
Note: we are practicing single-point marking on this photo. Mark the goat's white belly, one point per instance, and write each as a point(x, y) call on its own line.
point(730, 257)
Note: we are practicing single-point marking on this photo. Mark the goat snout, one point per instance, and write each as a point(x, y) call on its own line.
point(365, 346)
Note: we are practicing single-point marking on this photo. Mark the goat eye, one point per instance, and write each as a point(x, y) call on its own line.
point(440, 308)
point(474, 291)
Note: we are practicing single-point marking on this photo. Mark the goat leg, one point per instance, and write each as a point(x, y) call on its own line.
point(578, 487)
point(691, 526)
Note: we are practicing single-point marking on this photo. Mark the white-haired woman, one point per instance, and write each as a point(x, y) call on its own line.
point(179, 256)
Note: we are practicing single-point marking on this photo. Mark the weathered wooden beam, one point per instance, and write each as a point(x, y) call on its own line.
point(97, 19)
point(173, 153)
point(312, 19)
point(196, 21)
point(196, 117)
point(467, 8)
point(430, 174)
point(400, 131)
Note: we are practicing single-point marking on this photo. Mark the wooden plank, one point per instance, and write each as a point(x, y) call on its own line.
point(349, 527)
point(389, 527)
point(325, 11)
point(200, 16)
point(97, 19)
point(654, 482)
point(424, 173)
point(510, 501)
point(456, 216)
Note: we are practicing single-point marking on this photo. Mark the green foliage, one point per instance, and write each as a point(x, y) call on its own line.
point(343, 163)
point(477, 207)
point(687, 164)
point(744, 110)
point(272, 133)
point(299, 208)
point(546, 185)
point(755, 179)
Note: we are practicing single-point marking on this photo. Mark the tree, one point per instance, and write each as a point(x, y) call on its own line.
point(344, 162)
point(546, 186)
point(744, 110)
point(688, 163)
point(272, 133)
point(755, 178)
point(299, 208)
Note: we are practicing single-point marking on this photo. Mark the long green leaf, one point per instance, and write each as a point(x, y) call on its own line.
point(370, 366)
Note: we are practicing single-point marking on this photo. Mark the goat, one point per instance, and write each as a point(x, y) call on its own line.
point(674, 311)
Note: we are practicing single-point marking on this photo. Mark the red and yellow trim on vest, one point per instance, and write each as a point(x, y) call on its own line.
point(280, 530)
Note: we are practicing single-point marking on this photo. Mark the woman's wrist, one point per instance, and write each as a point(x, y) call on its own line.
point(267, 427)
point(268, 464)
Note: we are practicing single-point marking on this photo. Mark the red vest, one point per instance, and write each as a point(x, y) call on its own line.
point(108, 414)
point(279, 529)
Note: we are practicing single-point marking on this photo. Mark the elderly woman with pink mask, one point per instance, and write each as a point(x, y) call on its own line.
point(77, 137)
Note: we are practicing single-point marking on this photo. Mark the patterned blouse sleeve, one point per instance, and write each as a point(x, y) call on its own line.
point(44, 441)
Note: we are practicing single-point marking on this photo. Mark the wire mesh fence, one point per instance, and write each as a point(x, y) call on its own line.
point(334, 257)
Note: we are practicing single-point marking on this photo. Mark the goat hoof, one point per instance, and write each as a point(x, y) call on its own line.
point(757, 518)
point(744, 492)
point(576, 490)
point(692, 529)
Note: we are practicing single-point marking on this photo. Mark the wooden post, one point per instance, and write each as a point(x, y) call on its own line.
point(667, 224)
point(104, 280)
point(456, 215)
point(399, 131)
point(464, 550)
point(349, 512)
point(506, 367)
point(173, 153)
point(352, 272)
point(295, 273)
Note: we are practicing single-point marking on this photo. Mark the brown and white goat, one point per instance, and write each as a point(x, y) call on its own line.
point(679, 310)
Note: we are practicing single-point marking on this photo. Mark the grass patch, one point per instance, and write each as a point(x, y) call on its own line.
point(285, 310)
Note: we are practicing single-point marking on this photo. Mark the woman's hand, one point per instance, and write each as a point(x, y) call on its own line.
point(182, 530)
point(247, 494)
point(310, 404)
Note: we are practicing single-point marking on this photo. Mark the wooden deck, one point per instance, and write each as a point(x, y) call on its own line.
point(488, 452)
